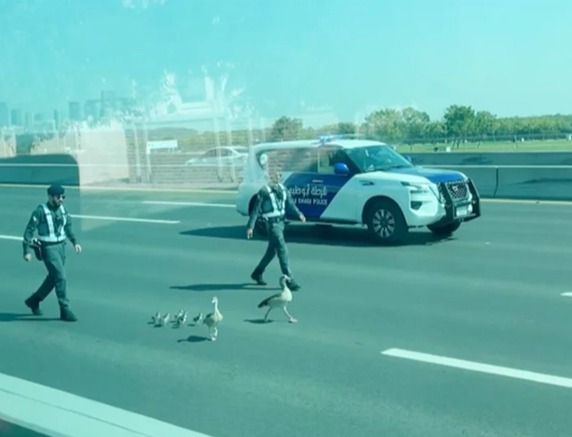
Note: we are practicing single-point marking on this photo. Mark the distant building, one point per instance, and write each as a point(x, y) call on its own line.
point(16, 117)
point(4, 114)
point(109, 104)
point(75, 111)
point(57, 118)
point(92, 109)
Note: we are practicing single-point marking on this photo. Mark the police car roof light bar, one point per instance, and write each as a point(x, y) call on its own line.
point(326, 138)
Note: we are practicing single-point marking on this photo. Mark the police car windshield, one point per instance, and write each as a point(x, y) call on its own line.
point(376, 158)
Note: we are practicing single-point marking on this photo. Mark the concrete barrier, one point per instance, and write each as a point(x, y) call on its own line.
point(531, 182)
point(491, 158)
point(40, 170)
point(536, 183)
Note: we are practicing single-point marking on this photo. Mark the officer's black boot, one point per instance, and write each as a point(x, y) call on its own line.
point(34, 305)
point(66, 315)
point(293, 285)
point(257, 277)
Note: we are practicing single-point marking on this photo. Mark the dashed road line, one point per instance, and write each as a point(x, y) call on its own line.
point(541, 378)
point(126, 219)
point(176, 203)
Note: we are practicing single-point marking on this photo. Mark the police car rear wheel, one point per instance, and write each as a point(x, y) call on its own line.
point(385, 222)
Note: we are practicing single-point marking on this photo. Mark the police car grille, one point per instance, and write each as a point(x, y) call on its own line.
point(458, 190)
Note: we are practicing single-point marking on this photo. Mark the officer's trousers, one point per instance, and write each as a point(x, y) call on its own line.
point(54, 257)
point(276, 246)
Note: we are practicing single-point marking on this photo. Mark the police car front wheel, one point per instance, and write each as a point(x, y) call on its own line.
point(386, 222)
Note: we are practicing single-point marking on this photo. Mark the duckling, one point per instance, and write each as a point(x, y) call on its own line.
point(213, 319)
point(198, 319)
point(277, 300)
point(180, 319)
point(155, 319)
point(163, 320)
point(183, 318)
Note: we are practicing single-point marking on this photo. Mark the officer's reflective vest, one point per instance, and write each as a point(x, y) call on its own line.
point(278, 206)
point(52, 237)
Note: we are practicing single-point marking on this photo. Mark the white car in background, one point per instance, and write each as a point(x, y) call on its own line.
point(226, 161)
point(342, 181)
point(220, 156)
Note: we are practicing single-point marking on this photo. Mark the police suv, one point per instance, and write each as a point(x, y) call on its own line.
point(340, 181)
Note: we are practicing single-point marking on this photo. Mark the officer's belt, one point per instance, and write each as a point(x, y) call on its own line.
point(50, 243)
point(272, 220)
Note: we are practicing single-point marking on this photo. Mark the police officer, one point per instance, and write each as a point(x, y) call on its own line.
point(271, 203)
point(54, 225)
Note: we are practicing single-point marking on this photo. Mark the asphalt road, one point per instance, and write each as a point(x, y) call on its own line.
point(491, 295)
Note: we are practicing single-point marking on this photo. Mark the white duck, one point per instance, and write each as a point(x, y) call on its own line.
point(213, 319)
point(279, 300)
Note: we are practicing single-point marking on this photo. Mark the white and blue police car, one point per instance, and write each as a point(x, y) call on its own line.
point(346, 181)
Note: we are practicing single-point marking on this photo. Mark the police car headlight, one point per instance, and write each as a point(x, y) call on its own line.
point(417, 188)
point(435, 190)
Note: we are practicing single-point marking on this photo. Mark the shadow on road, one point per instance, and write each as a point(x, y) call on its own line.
point(258, 321)
point(193, 339)
point(222, 287)
point(25, 317)
point(319, 235)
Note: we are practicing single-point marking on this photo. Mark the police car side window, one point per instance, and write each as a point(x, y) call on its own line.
point(326, 157)
point(293, 160)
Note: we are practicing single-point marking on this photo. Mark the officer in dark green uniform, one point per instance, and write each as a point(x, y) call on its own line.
point(271, 204)
point(54, 225)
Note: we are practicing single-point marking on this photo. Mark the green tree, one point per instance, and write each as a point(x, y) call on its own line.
point(459, 123)
point(285, 129)
point(484, 125)
point(415, 124)
point(345, 128)
point(386, 125)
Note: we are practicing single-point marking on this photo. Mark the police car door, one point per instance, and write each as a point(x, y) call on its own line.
point(326, 184)
point(301, 177)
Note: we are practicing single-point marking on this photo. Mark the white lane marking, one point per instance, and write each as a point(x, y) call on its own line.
point(54, 412)
point(567, 294)
point(480, 367)
point(11, 237)
point(214, 205)
point(126, 219)
point(528, 201)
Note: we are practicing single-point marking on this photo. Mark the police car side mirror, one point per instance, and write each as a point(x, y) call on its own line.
point(341, 169)
point(409, 158)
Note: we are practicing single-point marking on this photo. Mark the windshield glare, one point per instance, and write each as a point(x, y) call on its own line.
point(375, 158)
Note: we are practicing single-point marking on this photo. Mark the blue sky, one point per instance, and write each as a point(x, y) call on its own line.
point(507, 56)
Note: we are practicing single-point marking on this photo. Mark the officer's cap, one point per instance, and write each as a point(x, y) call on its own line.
point(55, 190)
